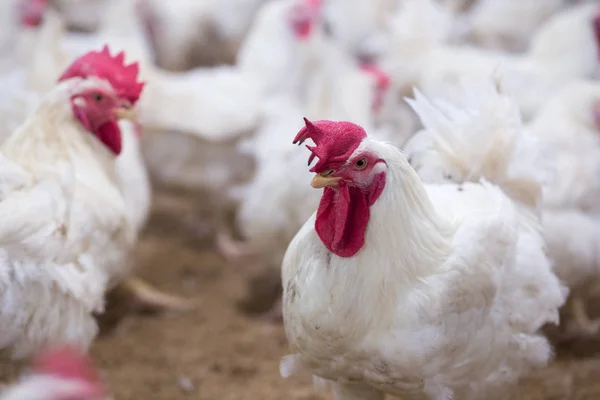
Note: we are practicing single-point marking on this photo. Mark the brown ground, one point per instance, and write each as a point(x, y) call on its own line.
point(217, 352)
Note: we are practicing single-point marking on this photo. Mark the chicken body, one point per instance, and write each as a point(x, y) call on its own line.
point(444, 299)
point(66, 236)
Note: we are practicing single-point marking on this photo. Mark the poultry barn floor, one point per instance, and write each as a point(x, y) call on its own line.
point(218, 352)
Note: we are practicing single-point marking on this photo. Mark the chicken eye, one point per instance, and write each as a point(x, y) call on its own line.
point(98, 97)
point(360, 164)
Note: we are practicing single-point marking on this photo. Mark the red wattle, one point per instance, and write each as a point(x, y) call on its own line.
point(343, 216)
point(110, 134)
point(342, 219)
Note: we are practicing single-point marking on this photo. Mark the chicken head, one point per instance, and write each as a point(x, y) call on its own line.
point(353, 179)
point(98, 108)
point(109, 92)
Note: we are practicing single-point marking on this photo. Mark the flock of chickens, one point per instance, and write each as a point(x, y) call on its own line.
point(455, 142)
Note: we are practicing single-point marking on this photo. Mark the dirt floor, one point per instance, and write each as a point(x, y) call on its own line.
point(218, 352)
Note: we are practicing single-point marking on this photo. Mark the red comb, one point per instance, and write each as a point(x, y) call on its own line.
point(31, 12)
point(334, 142)
point(66, 362)
point(101, 64)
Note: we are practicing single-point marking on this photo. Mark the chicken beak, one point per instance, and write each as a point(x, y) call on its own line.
point(320, 181)
point(126, 113)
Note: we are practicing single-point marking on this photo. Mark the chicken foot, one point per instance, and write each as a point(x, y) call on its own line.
point(232, 249)
point(150, 299)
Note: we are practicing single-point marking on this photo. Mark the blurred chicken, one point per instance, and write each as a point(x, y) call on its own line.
point(62, 373)
point(33, 76)
point(560, 148)
point(564, 48)
point(187, 34)
point(415, 290)
point(18, 32)
point(570, 124)
point(47, 62)
point(283, 46)
point(214, 104)
point(359, 26)
point(508, 25)
point(277, 55)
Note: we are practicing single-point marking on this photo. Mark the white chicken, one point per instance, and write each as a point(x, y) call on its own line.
point(204, 102)
point(276, 56)
point(282, 46)
point(67, 235)
point(25, 82)
point(47, 61)
point(426, 291)
point(570, 124)
point(18, 32)
point(359, 26)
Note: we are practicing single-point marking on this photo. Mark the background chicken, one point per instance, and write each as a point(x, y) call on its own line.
point(508, 25)
point(553, 59)
point(559, 149)
point(569, 124)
